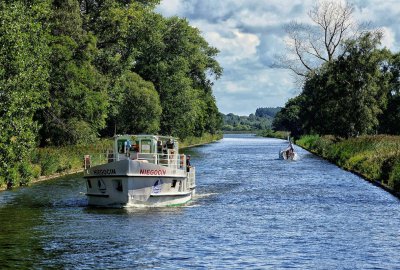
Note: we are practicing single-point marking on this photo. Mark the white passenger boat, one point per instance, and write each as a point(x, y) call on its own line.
point(142, 171)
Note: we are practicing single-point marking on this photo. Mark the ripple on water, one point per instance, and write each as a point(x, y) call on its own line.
point(251, 211)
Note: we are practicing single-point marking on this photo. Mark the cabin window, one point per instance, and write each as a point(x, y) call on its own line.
point(121, 146)
point(146, 146)
point(118, 185)
point(174, 183)
point(89, 183)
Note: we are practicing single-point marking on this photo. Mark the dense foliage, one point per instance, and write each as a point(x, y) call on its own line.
point(261, 120)
point(24, 82)
point(267, 111)
point(76, 69)
point(355, 94)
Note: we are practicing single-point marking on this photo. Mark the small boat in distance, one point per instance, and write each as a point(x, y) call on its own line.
point(142, 171)
point(288, 153)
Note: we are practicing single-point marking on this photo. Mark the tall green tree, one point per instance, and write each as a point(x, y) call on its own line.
point(345, 97)
point(24, 73)
point(78, 99)
point(390, 119)
point(165, 51)
point(288, 118)
point(181, 64)
point(137, 106)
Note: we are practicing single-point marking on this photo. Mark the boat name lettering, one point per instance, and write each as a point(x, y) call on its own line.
point(104, 171)
point(153, 172)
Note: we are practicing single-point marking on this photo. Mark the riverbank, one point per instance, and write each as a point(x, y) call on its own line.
point(375, 158)
point(273, 134)
point(196, 141)
point(53, 162)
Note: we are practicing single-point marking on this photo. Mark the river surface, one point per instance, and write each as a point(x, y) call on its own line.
point(252, 211)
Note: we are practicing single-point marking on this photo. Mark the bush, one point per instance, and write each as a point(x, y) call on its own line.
point(308, 141)
point(36, 170)
point(26, 172)
point(48, 161)
point(269, 133)
point(206, 138)
point(394, 177)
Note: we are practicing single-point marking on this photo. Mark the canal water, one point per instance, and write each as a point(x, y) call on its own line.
point(252, 211)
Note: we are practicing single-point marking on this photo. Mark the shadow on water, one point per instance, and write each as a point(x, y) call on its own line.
point(19, 248)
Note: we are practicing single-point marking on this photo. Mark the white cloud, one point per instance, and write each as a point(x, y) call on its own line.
point(389, 38)
point(171, 7)
point(241, 45)
point(250, 32)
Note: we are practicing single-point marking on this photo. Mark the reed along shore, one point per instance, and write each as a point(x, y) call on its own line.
point(375, 158)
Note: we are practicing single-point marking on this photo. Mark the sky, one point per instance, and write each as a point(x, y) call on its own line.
point(249, 33)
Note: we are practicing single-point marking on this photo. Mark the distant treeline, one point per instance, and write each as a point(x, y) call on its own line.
point(261, 120)
point(75, 70)
point(357, 93)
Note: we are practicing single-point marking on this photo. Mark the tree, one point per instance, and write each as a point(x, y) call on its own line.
point(165, 51)
point(309, 46)
point(288, 118)
point(78, 99)
point(138, 108)
point(346, 96)
point(24, 73)
point(389, 122)
point(267, 112)
point(179, 62)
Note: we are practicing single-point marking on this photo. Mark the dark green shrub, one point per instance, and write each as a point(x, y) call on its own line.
point(49, 161)
point(26, 172)
point(394, 177)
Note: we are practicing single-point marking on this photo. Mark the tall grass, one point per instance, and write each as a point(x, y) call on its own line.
point(273, 134)
point(375, 157)
point(51, 160)
point(205, 138)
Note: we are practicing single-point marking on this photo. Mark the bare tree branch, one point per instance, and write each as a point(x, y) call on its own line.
point(309, 46)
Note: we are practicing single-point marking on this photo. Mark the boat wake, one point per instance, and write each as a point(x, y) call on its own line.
point(205, 195)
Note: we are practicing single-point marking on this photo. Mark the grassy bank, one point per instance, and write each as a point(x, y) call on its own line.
point(240, 131)
point(56, 161)
point(273, 134)
point(376, 158)
point(51, 160)
point(193, 141)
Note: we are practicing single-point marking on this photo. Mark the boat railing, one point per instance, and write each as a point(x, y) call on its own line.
point(166, 160)
point(170, 159)
point(95, 159)
point(192, 177)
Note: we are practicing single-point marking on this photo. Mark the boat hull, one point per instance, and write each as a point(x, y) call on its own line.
point(135, 184)
point(285, 156)
point(137, 192)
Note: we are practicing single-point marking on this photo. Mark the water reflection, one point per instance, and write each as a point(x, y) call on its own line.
point(19, 247)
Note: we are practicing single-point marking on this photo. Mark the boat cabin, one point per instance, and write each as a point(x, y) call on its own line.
point(154, 149)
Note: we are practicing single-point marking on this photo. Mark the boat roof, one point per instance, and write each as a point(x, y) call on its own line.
point(145, 136)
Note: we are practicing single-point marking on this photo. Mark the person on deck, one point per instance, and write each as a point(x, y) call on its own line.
point(159, 147)
point(128, 146)
point(188, 166)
